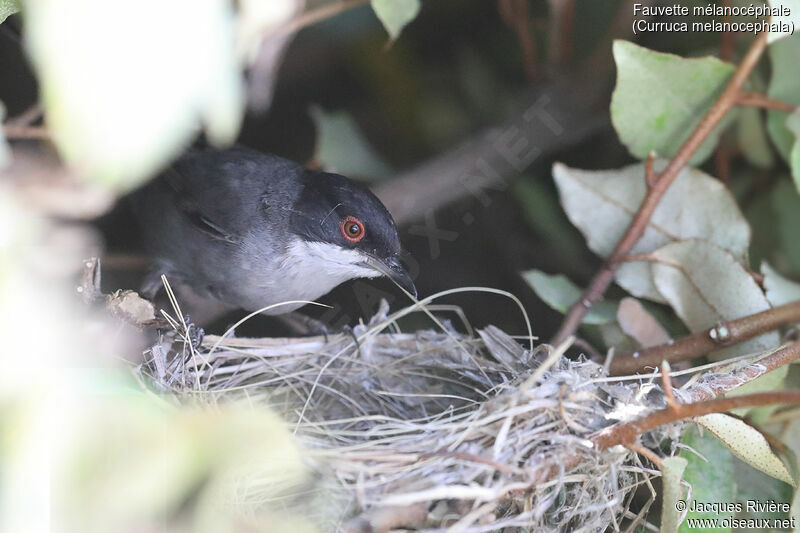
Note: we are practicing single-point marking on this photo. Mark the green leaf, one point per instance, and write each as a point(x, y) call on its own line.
point(342, 148)
point(783, 85)
point(786, 213)
point(601, 204)
point(747, 443)
point(126, 95)
point(780, 290)
point(660, 99)
point(8, 8)
point(752, 138)
point(792, 20)
point(560, 293)
point(710, 474)
point(793, 125)
point(705, 285)
point(671, 471)
point(395, 14)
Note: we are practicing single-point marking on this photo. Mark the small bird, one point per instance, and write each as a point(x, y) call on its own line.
point(250, 230)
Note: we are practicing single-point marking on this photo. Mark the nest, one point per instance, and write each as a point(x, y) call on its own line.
point(431, 429)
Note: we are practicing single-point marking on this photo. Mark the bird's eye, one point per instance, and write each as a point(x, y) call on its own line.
point(352, 229)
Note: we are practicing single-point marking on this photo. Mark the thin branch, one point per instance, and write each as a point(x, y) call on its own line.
point(516, 14)
point(605, 276)
point(764, 102)
point(650, 176)
point(15, 132)
point(712, 339)
point(712, 384)
point(626, 434)
point(27, 117)
point(313, 16)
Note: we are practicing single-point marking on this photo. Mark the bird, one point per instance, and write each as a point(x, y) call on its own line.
point(250, 230)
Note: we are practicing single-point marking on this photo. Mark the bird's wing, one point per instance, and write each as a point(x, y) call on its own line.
point(222, 193)
point(190, 204)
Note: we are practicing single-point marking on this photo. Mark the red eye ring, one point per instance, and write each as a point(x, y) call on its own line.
point(352, 229)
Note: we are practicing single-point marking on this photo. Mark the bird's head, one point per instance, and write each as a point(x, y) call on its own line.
point(347, 230)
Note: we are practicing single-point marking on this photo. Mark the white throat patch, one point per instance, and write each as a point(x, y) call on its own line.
point(323, 266)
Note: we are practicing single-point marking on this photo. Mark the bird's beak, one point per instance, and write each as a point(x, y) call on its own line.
point(392, 269)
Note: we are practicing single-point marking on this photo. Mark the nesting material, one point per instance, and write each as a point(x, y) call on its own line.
point(430, 429)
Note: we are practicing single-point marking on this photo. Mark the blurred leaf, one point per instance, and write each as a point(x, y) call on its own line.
point(342, 148)
point(660, 99)
point(602, 204)
point(123, 94)
point(638, 323)
point(752, 138)
point(746, 443)
point(129, 464)
point(793, 125)
point(8, 8)
point(711, 475)
point(792, 20)
point(671, 472)
point(783, 85)
point(395, 14)
point(560, 293)
point(264, 44)
point(779, 290)
point(705, 285)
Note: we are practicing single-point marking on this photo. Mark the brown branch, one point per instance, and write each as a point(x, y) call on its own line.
point(650, 176)
point(626, 434)
point(27, 117)
point(313, 16)
point(605, 276)
point(516, 15)
point(764, 102)
point(728, 44)
point(715, 384)
point(15, 132)
point(712, 339)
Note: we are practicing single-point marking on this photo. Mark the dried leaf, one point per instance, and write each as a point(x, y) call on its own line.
point(602, 204)
point(780, 290)
point(638, 323)
point(706, 285)
point(746, 443)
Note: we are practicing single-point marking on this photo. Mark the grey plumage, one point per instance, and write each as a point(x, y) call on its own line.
point(251, 230)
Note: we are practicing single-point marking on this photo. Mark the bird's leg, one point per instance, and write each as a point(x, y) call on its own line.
point(304, 325)
point(194, 333)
